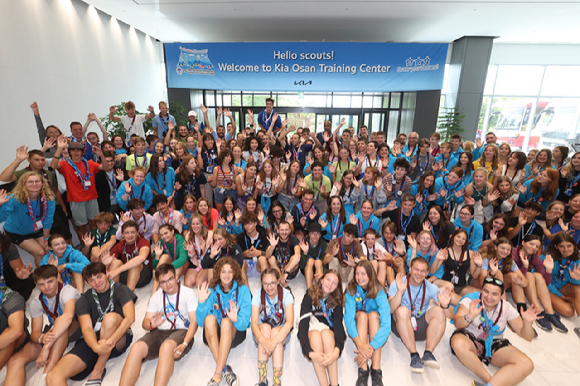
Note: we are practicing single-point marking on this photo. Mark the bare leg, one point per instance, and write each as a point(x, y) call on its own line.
point(374, 324)
point(132, 368)
point(166, 363)
point(70, 365)
point(436, 319)
point(390, 275)
point(263, 357)
point(110, 323)
point(562, 307)
point(514, 367)
point(467, 354)
point(34, 248)
point(328, 346)
point(405, 329)
point(315, 338)
point(382, 272)
point(190, 277)
point(228, 332)
point(362, 327)
point(78, 282)
point(318, 269)
point(133, 276)
point(15, 368)
point(211, 335)
point(309, 272)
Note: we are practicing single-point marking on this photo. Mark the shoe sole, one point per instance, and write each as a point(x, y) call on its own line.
point(560, 330)
point(542, 327)
point(432, 365)
point(422, 370)
point(577, 331)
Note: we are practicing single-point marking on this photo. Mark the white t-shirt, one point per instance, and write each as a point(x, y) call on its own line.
point(375, 248)
point(508, 313)
point(135, 127)
point(257, 300)
point(368, 163)
point(187, 303)
point(67, 293)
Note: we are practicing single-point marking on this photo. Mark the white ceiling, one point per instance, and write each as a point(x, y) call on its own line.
point(515, 21)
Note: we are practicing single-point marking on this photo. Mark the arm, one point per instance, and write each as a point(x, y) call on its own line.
point(128, 320)
point(61, 324)
point(305, 312)
point(384, 331)
point(8, 173)
point(14, 331)
point(395, 301)
point(135, 262)
point(112, 117)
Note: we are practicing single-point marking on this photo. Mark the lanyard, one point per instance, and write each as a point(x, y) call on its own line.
point(144, 164)
point(319, 253)
point(161, 189)
point(436, 151)
point(246, 237)
point(360, 223)
point(327, 312)
point(457, 263)
point(191, 184)
point(224, 314)
point(274, 307)
point(522, 235)
point(486, 324)
point(133, 254)
point(101, 239)
point(307, 215)
point(336, 229)
point(367, 192)
point(230, 182)
point(403, 225)
point(112, 185)
point(296, 153)
point(571, 184)
point(110, 306)
point(342, 249)
point(174, 249)
point(562, 270)
point(400, 191)
point(133, 191)
point(390, 250)
point(319, 186)
point(2, 284)
point(425, 165)
point(52, 315)
point(438, 233)
point(209, 157)
point(413, 301)
point(283, 257)
point(43, 209)
point(175, 309)
point(361, 299)
point(84, 178)
point(369, 162)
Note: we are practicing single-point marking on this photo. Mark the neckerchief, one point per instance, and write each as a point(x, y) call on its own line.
point(84, 178)
point(361, 299)
point(52, 315)
point(110, 306)
point(43, 209)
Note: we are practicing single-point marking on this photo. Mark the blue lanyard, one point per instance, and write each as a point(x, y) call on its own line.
point(82, 177)
point(36, 217)
point(273, 309)
point(361, 299)
point(246, 237)
point(404, 225)
point(1, 271)
point(530, 230)
point(367, 192)
point(387, 246)
point(319, 252)
point(337, 226)
point(327, 312)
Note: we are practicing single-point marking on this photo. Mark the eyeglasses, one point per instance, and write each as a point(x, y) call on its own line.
point(34, 182)
point(492, 280)
point(167, 281)
point(269, 284)
point(277, 211)
point(464, 214)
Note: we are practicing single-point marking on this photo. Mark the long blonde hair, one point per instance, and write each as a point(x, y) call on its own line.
point(204, 231)
point(494, 161)
point(20, 192)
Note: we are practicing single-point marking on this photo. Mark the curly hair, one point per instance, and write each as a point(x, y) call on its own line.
point(217, 269)
point(494, 161)
point(373, 287)
point(20, 192)
point(335, 299)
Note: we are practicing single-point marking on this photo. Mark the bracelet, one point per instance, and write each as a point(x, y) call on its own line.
point(45, 238)
point(467, 319)
point(151, 328)
point(40, 338)
point(445, 308)
point(185, 343)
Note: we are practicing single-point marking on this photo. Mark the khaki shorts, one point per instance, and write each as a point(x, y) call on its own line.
point(84, 211)
point(155, 339)
point(346, 272)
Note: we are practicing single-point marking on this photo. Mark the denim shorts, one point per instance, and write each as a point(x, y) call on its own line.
point(220, 197)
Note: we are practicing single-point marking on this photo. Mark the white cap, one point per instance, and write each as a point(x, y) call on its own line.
point(192, 114)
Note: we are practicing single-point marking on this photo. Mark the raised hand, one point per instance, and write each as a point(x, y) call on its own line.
point(4, 198)
point(563, 226)
point(288, 155)
point(522, 188)
point(238, 214)
point(427, 226)
point(62, 142)
point(399, 281)
point(107, 258)
point(158, 250)
point(170, 126)
point(49, 143)
point(24, 272)
point(459, 193)
point(323, 223)
point(492, 196)
point(34, 107)
point(215, 249)
point(119, 175)
point(112, 109)
point(392, 205)
point(304, 246)
point(335, 249)
point(177, 186)
point(478, 143)
point(331, 168)
point(442, 192)
point(493, 266)
point(411, 241)
point(352, 219)
point(443, 254)
point(419, 198)
point(524, 259)
point(342, 121)
point(444, 297)
point(475, 308)
point(88, 239)
point(350, 260)
point(151, 109)
point(469, 200)
point(203, 108)
point(356, 183)
point(549, 263)
point(125, 217)
point(322, 189)
point(261, 214)
point(128, 187)
point(379, 183)
point(313, 213)
point(575, 273)
point(52, 260)
point(399, 247)
point(522, 218)
point(531, 314)
point(203, 292)
point(493, 235)
point(233, 312)
point(477, 259)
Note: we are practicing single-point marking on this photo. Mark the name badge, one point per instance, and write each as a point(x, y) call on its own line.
point(333, 237)
point(401, 237)
point(39, 225)
point(222, 191)
point(455, 279)
point(87, 183)
point(165, 192)
point(97, 327)
point(414, 323)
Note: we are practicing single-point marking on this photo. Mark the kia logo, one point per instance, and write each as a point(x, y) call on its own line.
point(303, 83)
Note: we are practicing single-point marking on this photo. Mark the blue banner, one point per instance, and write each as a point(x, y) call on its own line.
point(320, 67)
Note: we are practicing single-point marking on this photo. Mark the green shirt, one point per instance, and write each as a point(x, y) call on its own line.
point(315, 186)
point(101, 239)
point(177, 259)
point(342, 167)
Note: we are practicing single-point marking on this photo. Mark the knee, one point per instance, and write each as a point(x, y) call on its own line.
point(361, 317)
point(438, 315)
point(54, 377)
point(210, 323)
point(266, 330)
point(167, 347)
point(310, 263)
point(526, 364)
point(402, 313)
point(327, 335)
point(111, 321)
point(139, 350)
point(374, 317)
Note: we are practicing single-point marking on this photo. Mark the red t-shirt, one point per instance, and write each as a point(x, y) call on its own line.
point(125, 254)
point(214, 215)
point(74, 185)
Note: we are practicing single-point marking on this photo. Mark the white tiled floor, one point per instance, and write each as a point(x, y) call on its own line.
point(556, 357)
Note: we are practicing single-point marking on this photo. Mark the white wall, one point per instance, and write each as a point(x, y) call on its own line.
point(536, 54)
point(73, 60)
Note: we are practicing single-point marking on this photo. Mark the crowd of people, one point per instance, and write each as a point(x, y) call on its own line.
point(421, 232)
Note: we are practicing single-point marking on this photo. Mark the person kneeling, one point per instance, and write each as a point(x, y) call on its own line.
point(272, 318)
point(480, 321)
point(106, 333)
point(367, 313)
point(46, 345)
point(409, 298)
point(224, 313)
point(170, 320)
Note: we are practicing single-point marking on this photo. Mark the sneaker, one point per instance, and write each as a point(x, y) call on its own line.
point(377, 377)
point(476, 383)
point(577, 331)
point(213, 382)
point(97, 382)
point(416, 364)
point(363, 377)
point(543, 322)
point(230, 377)
point(430, 361)
point(262, 384)
point(557, 323)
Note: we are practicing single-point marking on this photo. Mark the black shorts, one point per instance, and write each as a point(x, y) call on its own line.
point(239, 337)
point(480, 345)
point(89, 357)
point(18, 239)
point(210, 263)
point(420, 334)
point(155, 339)
point(144, 278)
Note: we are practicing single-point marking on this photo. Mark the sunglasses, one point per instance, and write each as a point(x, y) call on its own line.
point(492, 280)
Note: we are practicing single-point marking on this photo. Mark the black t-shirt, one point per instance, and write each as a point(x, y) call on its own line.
point(527, 229)
point(261, 243)
point(23, 287)
point(412, 225)
point(284, 251)
point(86, 303)
point(11, 303)
point(189, 187)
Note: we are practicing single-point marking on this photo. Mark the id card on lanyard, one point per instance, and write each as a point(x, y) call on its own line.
point(419, 312)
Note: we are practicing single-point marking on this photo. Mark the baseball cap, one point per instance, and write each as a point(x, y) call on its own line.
point(76, 145)
point(192, 114)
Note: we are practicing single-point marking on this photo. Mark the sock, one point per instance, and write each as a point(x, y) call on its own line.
point(277, 376)
point(522, 307)
point(263, 371)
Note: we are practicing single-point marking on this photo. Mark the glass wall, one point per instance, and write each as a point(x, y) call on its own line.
point(389, 112)
point(532, 106)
